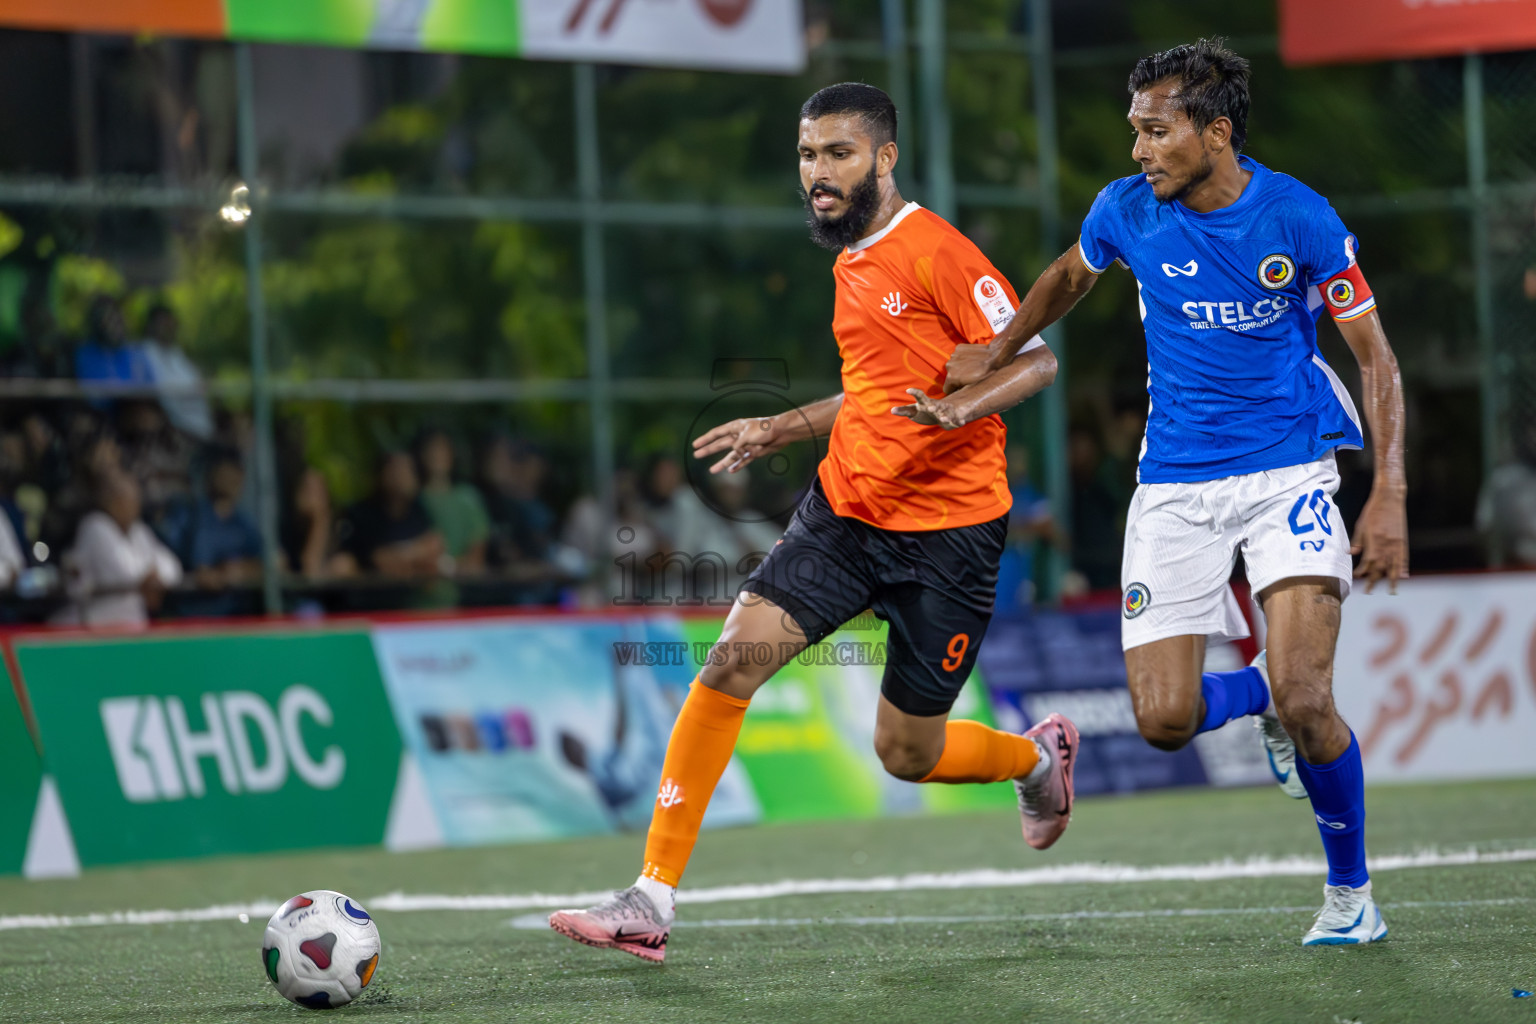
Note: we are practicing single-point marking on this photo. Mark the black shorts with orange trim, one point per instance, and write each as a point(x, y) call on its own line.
point(935, 587)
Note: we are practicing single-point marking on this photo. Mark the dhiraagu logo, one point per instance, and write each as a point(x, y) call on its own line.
point(160, 755)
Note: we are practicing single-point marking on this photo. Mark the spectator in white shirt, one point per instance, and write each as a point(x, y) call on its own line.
point(12, 561)
point(1506, 505)
point(178, 378)
point(117, 570)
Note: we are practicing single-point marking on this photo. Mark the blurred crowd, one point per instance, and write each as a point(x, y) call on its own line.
point(138, 500)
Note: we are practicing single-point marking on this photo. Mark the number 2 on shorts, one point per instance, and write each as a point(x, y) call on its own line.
point(957, 645)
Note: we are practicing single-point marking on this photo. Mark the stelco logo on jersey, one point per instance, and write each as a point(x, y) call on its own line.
point(159, 755)
point(1238, 315)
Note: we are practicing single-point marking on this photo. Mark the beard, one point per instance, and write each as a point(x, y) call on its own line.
point(1198, 178)
point(836, 233)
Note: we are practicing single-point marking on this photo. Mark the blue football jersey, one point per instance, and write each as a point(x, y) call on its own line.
point(1229, 301)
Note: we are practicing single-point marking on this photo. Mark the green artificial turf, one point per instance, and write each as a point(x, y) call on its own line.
point(1453, 953)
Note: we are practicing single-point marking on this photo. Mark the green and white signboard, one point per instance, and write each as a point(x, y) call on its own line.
point(20, 774)
point(187, 746)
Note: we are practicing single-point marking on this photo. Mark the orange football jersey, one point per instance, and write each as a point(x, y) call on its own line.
point(906, 296)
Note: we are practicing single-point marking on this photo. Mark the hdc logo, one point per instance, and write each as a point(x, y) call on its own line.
point(159, 756)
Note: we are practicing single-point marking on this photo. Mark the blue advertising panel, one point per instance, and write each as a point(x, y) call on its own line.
point(534, 728)
point(1035, 663)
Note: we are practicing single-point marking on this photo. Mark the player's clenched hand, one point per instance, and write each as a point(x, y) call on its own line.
point(1381, 540)
point(968, 364)
point(930, 412)
point(742, 440)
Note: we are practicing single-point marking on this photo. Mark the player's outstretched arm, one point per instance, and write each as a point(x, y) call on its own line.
point(1381, 534)
point(1027, 375)
point(751, 438)
point(1064, 282)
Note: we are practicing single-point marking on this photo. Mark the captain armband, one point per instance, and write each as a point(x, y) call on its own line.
point(1347, 295)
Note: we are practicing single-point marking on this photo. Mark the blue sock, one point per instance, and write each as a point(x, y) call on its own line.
point(1337, 790)
point(1230, 695)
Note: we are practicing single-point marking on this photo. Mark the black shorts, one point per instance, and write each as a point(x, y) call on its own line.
point(935, 587)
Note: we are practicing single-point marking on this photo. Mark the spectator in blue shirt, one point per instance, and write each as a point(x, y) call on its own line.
point(106, 355)
point(1030, 521)
point(219, 545)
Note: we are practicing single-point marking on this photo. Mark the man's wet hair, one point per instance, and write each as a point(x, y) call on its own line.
point(873, 107)
point(1212, 82)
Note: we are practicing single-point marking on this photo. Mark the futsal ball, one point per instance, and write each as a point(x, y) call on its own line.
point(320, 949)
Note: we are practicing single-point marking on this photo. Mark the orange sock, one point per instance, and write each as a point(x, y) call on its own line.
point(697, 754)
point(975, 753)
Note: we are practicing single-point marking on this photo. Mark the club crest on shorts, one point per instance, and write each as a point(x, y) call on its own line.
point(1276, 271)
point(1137, 597)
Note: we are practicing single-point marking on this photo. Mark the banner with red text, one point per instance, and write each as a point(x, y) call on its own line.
point(1439, 682)
point(1329, 32)
point(731, 35)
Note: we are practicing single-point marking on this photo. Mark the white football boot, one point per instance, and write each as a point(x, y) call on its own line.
point(1349, 918)
point(1277, 743)
point(629, 922)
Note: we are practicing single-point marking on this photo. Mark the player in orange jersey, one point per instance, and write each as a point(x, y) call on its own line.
point(907, 516)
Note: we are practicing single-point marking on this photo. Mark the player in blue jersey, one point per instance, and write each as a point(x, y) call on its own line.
point(1233, 264)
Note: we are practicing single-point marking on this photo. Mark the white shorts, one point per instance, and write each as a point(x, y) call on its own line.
point(1182, 541)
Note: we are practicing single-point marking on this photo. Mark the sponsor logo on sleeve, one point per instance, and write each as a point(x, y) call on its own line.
point(992, 298)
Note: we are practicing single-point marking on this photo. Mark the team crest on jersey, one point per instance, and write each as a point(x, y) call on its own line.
point(1137, 597)
point(1276, 271)
point(1341, 294)
point(993, 302)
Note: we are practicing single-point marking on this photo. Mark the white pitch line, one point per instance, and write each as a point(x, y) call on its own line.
point(985, 878)
point(540, 922)
point(221, 912)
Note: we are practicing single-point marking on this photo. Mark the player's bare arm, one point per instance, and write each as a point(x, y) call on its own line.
point(1051, 297)
point(1028, 374)
point(750, 438)
point(1381, 534)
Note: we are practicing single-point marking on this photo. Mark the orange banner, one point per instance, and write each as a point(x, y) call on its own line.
point(1332, 32)
point(161, 17)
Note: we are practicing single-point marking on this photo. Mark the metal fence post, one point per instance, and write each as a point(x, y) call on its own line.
point(898, 63)
point(256, 301)
point(1482, 264)
point(1053, 403)
point(594, 289)
point(939, 171)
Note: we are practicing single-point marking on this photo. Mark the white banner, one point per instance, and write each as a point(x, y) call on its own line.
point(730, 35)
point(1439, 682)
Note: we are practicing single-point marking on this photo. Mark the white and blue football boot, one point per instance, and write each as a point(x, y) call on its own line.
point(1278, 745)
point(1349, 918)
